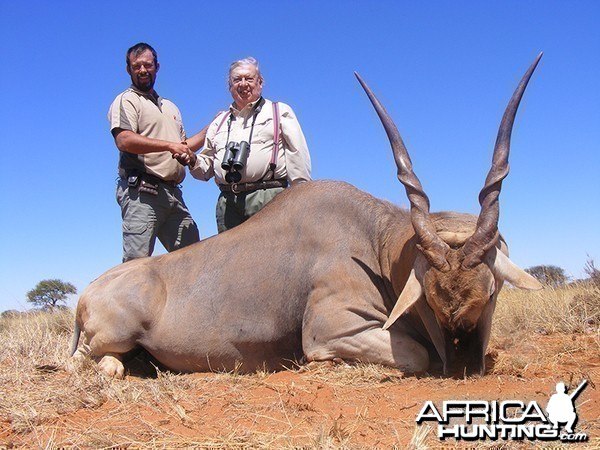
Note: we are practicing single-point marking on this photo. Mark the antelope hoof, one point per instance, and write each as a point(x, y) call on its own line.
point(112, 367)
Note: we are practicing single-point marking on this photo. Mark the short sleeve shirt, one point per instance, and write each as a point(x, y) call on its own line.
point(152, 117)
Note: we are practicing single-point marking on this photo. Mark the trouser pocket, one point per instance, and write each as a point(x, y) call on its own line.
point(137, 240)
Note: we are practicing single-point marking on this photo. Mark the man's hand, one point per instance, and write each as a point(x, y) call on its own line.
point(182, 153)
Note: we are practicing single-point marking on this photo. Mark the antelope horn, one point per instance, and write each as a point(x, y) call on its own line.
point(486, 233)
point(430, 244)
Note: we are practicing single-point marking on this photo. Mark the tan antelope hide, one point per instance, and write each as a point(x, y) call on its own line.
point(325, 271)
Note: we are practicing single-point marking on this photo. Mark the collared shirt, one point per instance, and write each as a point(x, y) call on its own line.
point(152, 117)
point(293, 159)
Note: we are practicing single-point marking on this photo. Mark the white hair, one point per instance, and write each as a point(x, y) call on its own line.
point(248, 61)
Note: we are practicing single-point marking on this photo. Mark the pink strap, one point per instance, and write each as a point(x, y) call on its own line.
point(273, 163)
point(223, 120)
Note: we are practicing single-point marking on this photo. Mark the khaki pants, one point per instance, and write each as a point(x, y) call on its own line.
point(146, 217)
point(234, 209)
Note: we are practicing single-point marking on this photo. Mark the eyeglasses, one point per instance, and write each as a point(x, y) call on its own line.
point(238, 80)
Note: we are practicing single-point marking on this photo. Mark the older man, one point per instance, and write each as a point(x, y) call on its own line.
point(149, 133)
point(254, 150)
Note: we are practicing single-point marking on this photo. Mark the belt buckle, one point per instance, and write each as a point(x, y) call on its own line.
point(234, 188)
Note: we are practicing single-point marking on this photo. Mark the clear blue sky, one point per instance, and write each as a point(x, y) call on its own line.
point(445, 70)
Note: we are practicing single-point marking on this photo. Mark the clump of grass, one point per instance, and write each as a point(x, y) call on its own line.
point(523, 319)
point(419, 438)
point(586, 306)
point(355, 374)
point(33, 336)
point(568, 309)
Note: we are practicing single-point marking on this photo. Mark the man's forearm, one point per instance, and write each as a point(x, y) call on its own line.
point(130, 142)
point(196, 142)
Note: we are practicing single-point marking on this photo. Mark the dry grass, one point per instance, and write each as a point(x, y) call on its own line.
point(570, 316)
point(352, 407)
point(571, 309)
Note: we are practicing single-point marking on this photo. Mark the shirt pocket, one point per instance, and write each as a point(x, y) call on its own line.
point(263, 131)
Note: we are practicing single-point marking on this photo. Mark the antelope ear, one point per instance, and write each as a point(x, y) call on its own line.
point(516, 276)
point(411, 292)
point(434, 329)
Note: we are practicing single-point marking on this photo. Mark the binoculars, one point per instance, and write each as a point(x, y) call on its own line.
point(236, 155)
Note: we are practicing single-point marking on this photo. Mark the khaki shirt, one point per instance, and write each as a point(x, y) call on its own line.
point(293, 159)
point(155, 118)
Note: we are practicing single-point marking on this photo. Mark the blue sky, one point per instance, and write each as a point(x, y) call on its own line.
point(445, 71)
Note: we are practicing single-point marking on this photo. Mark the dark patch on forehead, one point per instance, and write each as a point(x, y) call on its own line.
point(458, 290)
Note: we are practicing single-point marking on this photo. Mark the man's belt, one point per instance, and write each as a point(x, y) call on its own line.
point(238, 188)
point(152, 178)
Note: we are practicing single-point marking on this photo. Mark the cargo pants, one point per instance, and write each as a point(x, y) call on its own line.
point(147, 217)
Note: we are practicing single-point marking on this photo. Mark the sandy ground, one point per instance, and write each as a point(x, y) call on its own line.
point(326, 407)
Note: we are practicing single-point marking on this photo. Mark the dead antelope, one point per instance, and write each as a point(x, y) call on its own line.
point(325, 271)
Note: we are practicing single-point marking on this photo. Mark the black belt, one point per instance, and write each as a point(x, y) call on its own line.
point(238, 188)
point(152, 178)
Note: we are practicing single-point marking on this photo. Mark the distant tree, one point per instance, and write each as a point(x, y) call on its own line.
point(48, 293)
point(10, 313)
point(548, 275)
point(591, 270)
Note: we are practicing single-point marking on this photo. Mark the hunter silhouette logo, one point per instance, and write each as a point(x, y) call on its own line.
point(472, 420)
point(561, 406)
